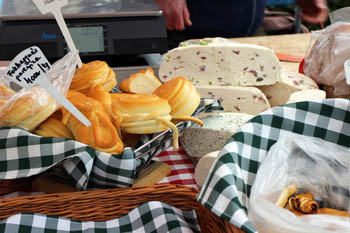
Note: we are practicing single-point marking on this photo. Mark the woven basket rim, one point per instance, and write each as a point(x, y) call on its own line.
point(107, 204)
point(134, 191)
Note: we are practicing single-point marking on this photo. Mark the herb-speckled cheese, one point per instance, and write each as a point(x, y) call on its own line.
point(221, 62)
point(217, 129)
point(290, 82)
point(249, 100)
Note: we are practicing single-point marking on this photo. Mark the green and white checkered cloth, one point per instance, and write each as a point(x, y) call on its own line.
point(149, 217)
point(227, 188)
point(23, 154)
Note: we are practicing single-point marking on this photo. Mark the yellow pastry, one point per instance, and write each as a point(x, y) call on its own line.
point(28, 109)
point(53, 127)
point(92, 74)
point(181, 95)
point(102, 135)
point(144, 114)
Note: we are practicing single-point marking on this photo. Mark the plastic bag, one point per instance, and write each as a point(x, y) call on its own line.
point(27, 108)
point(325, 59)
point(313, 165)
point(5, 91)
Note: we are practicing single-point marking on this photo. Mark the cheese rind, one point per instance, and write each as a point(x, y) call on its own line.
point(216, 130)
point(223, 63)
point(289, 83)
point(249, 100)
point(306, 95)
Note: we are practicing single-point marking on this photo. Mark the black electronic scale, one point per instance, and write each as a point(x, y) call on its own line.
point(117, 31)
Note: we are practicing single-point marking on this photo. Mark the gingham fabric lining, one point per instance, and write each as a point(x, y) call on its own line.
point(227, 187)
point(149, 217)
point(23, 154)
point(182, 167)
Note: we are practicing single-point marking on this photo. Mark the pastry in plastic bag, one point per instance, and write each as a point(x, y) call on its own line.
point(318, 170)
point(5, 94)
point(325, 59)
point(303, 202)
point(27, 108)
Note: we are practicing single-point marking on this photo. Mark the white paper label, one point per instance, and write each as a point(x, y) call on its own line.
point(28, 67)
point(46, 6)
point(347, 71)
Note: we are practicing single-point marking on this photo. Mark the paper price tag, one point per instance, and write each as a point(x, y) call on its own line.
point(54, 7)
point(29, 68)
point(347, 71)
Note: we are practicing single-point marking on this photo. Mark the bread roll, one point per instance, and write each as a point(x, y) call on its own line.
point(143, 114)
point(53, 127)
point(28, 108)
point(100, 94)
point(5, 94)
point(181, 95)
point(143, 82)
point(92, 74)
point(102, 135)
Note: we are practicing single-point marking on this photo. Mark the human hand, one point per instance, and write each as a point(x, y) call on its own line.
point(314, 11)
point(176, 14)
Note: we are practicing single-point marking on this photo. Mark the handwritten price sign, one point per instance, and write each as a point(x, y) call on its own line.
point(29, 68)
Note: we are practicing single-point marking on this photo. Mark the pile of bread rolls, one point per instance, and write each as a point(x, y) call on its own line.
point(147, 106)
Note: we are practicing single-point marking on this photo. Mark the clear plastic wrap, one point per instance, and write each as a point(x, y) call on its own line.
point(5, 91)
point(325, 58)
point(313, 165)
point(28, 108)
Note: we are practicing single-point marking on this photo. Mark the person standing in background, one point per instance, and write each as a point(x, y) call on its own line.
point(193, 19)
point(211, 18)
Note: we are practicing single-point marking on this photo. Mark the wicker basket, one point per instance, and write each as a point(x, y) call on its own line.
point(114, 203)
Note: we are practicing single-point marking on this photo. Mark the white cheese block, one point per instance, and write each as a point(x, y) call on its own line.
point(223, 63)
point(306, 95)
point(290, 82)
point(249, 100)
point(216, 130)
point(203, 167)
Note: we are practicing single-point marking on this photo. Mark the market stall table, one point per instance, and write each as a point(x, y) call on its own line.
point(182, 168)
point(181, 165)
